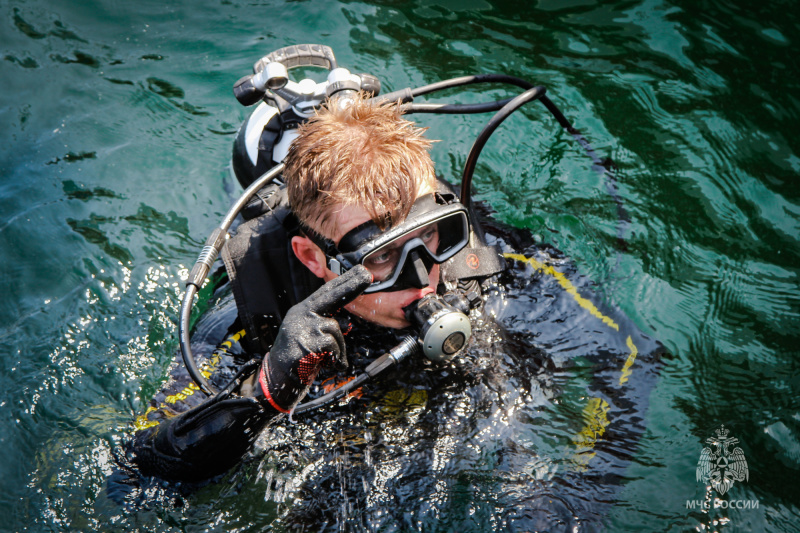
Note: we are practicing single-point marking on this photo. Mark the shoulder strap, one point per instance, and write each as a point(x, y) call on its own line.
point(266, 277)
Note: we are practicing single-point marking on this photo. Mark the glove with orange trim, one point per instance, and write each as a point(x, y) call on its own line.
point(309, 338)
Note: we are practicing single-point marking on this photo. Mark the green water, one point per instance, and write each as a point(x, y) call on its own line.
point(118, 121)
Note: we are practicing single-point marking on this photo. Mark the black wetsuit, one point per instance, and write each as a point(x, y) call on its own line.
point(540, 335)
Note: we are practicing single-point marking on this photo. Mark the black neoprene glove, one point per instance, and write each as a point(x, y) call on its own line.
point(308, 340)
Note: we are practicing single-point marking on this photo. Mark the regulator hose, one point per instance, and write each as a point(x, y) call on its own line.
point(408, 346)
point(406, 95)
point(199, 272)
point(472, 159)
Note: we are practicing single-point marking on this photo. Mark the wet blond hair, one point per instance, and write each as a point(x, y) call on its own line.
point(362, 154)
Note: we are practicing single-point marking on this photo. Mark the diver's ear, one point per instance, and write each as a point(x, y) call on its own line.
point(310, 255)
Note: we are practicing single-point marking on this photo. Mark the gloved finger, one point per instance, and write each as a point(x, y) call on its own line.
point(338, 350)
point(340, 291)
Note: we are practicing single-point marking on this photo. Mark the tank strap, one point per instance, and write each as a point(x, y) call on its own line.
point(266, 144)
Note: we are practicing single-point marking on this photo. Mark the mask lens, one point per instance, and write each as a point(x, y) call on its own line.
point(441, 238)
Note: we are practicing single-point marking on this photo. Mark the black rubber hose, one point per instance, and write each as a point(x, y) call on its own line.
point(472, 159)
point(333, 395)
point(454, 109)
point(237, 380)
point(549, 105)
point(559, 116)
point(407, 94)
point(409, 345)
point(185, 341)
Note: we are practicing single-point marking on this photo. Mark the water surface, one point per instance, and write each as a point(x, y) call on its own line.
point(119, 121)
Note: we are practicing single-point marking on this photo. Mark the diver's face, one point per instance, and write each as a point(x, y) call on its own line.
point(383, 308)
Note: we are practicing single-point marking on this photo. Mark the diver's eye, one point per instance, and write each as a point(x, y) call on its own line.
point(381, 258)
point(429, 234)
point(382, 264)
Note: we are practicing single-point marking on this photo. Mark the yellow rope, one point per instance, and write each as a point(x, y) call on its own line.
point(626, 369)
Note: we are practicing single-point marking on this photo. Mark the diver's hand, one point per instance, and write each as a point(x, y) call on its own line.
point(309, 339)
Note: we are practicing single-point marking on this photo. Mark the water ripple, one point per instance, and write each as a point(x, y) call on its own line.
point(112, 175)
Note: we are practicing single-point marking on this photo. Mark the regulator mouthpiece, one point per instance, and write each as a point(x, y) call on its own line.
point(443, 329)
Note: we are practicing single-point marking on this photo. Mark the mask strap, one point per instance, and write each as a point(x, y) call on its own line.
point(328, 248)
point(326, 245)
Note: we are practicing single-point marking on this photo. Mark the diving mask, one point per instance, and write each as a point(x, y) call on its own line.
point(437, 227)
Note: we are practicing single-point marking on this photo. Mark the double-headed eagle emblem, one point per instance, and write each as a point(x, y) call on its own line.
point(721, 466)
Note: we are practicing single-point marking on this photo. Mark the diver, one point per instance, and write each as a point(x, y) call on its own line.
point(359, 233)
point(352, 255)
